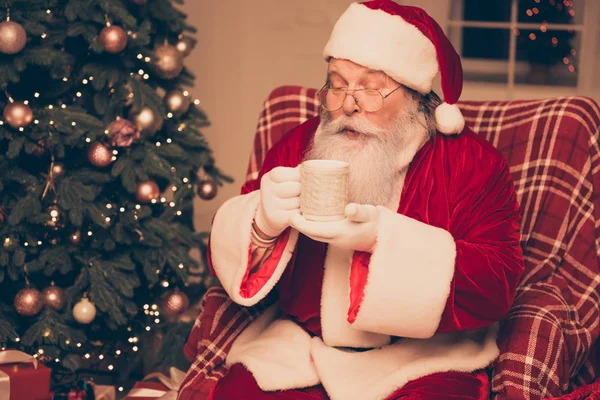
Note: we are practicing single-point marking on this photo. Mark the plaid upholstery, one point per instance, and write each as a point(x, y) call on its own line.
point(549, 341)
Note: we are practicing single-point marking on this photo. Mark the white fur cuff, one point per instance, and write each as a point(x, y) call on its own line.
point(410, 274)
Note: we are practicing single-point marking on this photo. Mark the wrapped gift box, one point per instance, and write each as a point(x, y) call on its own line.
point(25, 381)
point(147, 391)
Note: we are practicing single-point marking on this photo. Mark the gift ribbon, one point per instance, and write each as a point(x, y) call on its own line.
point(172, 384)
point(11, 357)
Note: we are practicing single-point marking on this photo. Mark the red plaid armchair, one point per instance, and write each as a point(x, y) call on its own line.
point(549, 341)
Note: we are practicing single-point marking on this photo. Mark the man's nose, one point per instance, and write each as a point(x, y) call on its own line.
point(350, 106)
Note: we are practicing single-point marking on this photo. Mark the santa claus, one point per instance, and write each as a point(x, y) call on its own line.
point(400, 298)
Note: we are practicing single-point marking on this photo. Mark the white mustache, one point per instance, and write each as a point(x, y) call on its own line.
point(359, 125)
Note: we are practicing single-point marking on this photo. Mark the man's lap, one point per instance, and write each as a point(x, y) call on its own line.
point(239, 384)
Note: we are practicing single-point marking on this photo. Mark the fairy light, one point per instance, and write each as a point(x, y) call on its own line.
point(26, 244)
point(154, 307)
point(178, 213)
point(157, 321)
point(36, 121)
point(118, 352)
point(162, 199)
point(85, 81)
point(146, 76)
point(197, 102)
point(56, 360)
point(153, 201)
point(185, 180)
point(174, 188)
point(88, 140)
point(65, 79)
point(180, 265)
point(169, 115)
point(36, 95)
point(116, 152)
point(109, 206)
point(101, 356)
point(169, 140)
point(158, 144)
point(148, 329)
point(87, 355)
point(63, 106)
point(110, 367)
point(78, 344)
point(39, 242)
point(50, 107)
point(141, 72)
point(532, 36)
point(41, 351)
point(134, 348)
point(17, 339)
point(43, 35)
point(73, 123)
point(140, 56)
point(137, 206)
point(90, 233)
point(107, 219)
point(146, 306)
point(172, 204)
point(122, 209)
point(165, 284)
point(78, 94)
point(120, 389)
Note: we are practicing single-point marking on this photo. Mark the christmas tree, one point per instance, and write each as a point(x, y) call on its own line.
point(101, 154)
point(542, 46)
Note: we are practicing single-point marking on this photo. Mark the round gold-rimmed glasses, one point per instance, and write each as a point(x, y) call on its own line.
point(370, 100)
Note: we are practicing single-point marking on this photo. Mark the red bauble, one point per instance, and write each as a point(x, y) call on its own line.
point(99, 155)
point(29, 302)
point(147, 191)
point(175, 303)
point(207, 189)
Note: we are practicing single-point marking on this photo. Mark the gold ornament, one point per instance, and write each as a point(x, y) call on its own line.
point(147, 191)
point(57, 169)
point(84, 311)
point(169, 63)
point(99, 155)
point(54, 297)
point(12, 37)
point(18, 114)
point(75, 238)
point(113, 39)
point(185, 45)
point(56, 217)
point(177, 103)
point(175, 303)
point(146, 120)
point(29, 302)
point(207, 189)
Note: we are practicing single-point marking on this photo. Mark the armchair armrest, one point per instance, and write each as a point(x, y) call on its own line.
point(219, 322)
point(542, 344)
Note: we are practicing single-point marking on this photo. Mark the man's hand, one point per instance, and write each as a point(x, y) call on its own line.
point(279, 200)
point(358, 231)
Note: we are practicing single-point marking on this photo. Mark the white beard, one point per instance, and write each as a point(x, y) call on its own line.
point(377, 159)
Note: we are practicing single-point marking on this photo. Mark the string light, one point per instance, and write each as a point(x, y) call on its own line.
point(118, 352)
point(110, 367)
point(148, 328)
point(78, 344)
point(101, 356)
point(157, 321)
point(120, 389)
point(134, 348)
point(87, 355)
point(18, 340)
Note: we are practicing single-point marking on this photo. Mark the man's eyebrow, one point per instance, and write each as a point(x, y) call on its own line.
point(334, 74)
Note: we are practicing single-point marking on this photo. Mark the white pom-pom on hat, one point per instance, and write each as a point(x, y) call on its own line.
point(449, 119)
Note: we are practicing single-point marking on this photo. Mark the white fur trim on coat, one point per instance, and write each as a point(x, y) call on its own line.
point(230, 246)
point(378, 40)
point(376, 374)
point(335, 300)
point(276, 352)
point(410, 273)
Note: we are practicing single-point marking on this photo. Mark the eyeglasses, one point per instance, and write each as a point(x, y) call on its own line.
point(370, 100)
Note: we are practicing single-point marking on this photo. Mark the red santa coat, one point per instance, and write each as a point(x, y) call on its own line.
point(445, 268)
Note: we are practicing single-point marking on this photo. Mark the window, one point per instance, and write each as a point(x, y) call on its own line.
point(526, 44)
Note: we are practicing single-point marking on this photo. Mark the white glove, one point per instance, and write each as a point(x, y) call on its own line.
point(279, 200)
point(358, 231)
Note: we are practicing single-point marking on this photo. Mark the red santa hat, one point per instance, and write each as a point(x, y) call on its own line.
point(408, 45)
